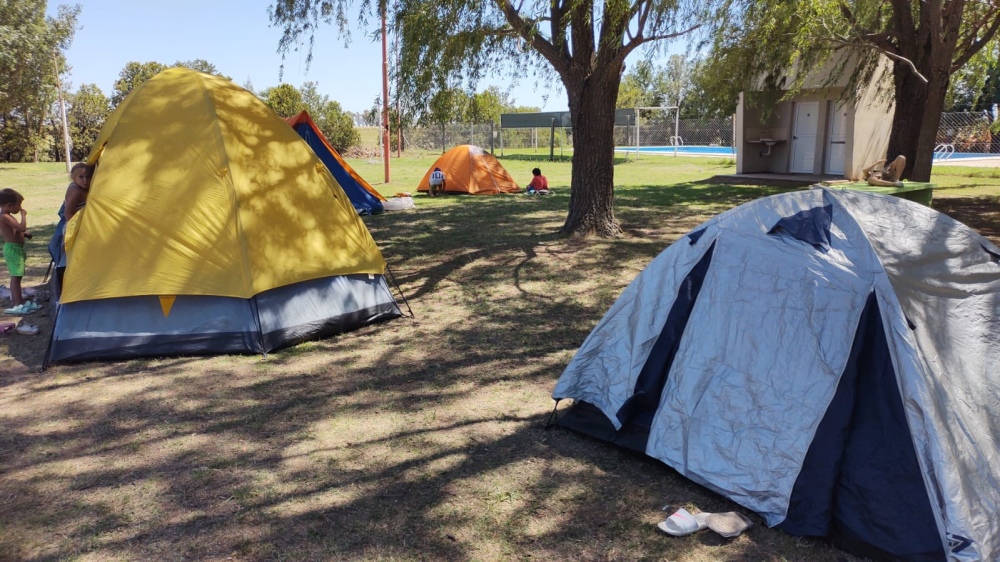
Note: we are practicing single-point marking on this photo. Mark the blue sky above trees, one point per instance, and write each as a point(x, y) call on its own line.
point(235, 37)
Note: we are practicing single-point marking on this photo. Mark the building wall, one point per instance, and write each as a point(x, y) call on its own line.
point(867, 128)
point(868, 133)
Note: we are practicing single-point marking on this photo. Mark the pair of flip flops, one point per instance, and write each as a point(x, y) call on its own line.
point(683, 522)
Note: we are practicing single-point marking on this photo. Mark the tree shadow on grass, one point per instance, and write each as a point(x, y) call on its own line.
point(982, 214)
point(416, 439)
point(209, 466)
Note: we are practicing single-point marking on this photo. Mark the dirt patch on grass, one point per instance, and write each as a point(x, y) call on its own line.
point(19, 353)
point(982, 214)
point(420, 438)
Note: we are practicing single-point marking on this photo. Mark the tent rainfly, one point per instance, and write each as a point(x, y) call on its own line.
point(363, 196)
point(471, 170)
point(825, 358)
point(211, 227)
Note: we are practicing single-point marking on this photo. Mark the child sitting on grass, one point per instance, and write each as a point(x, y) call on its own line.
point(14, 234)
point(539, 183)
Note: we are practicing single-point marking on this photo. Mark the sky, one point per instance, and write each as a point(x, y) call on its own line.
point(237, 38)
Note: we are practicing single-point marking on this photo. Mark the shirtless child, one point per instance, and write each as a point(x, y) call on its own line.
point(14, 233)
point(886, 176)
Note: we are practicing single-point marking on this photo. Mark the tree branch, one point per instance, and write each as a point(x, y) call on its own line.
point(527, 31)
point(582, 32)
point(641, 39)
point(865, 45)
point(903, 24)
point(964, 53)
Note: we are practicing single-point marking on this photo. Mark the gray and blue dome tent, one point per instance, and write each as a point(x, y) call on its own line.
point(364, 198)
point(826, 358)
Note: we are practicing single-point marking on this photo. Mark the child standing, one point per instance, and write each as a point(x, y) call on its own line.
point(14, 233)
point(539, 184)
point(76, 199)
point(79, 188)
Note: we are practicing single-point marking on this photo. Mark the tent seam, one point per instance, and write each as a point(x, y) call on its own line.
point(221, 145)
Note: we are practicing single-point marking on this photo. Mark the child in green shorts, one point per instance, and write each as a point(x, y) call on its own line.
point(14, 233)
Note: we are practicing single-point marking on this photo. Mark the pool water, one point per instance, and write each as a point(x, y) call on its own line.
point(727, 151)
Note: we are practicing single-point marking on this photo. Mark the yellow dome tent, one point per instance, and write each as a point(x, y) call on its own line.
point(211, 226)
point(470, 169)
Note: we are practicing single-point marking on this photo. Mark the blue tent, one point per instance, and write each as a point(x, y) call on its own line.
point(363, 196)
point(825, 358)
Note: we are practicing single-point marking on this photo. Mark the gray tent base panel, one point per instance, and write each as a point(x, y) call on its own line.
point(204, 325)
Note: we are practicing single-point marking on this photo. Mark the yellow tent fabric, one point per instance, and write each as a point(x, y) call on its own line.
point(304, 117)
point(470, 169)
point(201, 189)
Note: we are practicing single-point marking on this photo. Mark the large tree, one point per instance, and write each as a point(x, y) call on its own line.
point(132, 76)
point(88, 109)
point(336, 125)
point(486, 106)
point(202, 65)
point(924, 42)
point(31, 51)
point(284, 99)
point(584, 42)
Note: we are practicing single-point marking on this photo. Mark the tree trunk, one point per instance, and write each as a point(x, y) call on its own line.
point(592, 99)
point(917, 116)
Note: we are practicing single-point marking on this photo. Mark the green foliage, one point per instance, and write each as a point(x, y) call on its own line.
point(449, 45)
point(709, 94)
point(284, 99)
point(88, 109)
point(976, 86)
point(453, 105)
point(909, 49)
point(338, 127)
point(202, 65)
point(486, 106)
point(135, 73)
point(643, 85)
point(448, 105)
point(132, 76)
point(681, 80)
point(758, 44)
point(31, 54)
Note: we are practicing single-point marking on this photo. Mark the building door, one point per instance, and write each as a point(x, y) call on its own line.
point(804, 137)
point(836, 144)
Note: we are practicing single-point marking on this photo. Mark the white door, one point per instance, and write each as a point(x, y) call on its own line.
point(836, 147)
point(804, 137)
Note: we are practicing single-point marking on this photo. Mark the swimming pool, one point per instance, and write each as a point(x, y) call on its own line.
point(729, 152)
point(964, 155)
point(686, 150)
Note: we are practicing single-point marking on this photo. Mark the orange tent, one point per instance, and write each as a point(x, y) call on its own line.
point(470, 169)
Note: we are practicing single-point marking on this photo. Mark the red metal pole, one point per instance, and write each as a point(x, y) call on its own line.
point(385, 99)
point(399, 116)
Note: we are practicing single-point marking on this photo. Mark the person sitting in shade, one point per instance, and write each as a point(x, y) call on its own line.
point(437, 182)
point(886, 176)
point(539, 184)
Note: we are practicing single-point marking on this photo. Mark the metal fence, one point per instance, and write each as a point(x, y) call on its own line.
point(668, 132)
point(652, 132)
point(965, 132)
point(443, 137)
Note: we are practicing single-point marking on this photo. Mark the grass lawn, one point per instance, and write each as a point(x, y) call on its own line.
point(416, 439)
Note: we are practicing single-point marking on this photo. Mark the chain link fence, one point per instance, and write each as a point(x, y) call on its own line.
point(683, 132)
point(705, 132)
point(965, 132)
